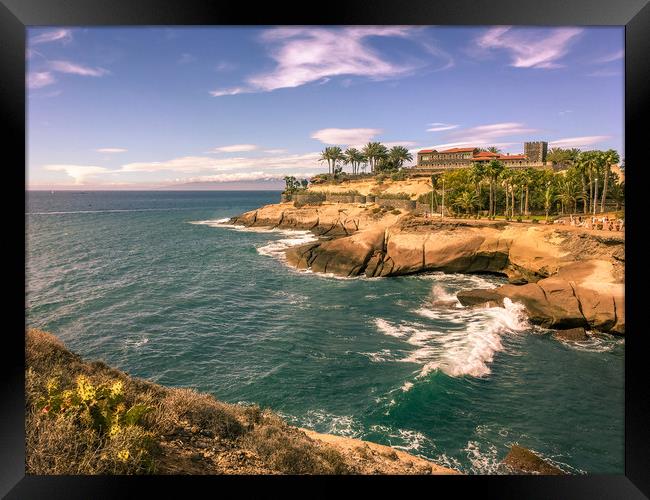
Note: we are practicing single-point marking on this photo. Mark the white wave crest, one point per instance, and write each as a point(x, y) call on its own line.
point(467, 346)
point(278, 247)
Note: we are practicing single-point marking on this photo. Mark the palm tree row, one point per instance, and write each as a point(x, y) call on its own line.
point(374, 155)
point(514, 192)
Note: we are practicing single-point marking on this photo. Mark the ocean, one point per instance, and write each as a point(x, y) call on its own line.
point(156, 284)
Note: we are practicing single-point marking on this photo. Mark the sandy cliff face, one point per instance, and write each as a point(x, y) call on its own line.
point(564, 277)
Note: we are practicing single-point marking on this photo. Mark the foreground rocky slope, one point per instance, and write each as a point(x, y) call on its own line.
point(565, 277)
point(181, 432)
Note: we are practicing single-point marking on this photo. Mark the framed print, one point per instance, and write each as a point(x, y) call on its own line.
point(382, 244)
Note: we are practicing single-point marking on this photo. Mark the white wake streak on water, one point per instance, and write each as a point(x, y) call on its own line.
point(465, 347)
point(113, 210)
point(276, 248)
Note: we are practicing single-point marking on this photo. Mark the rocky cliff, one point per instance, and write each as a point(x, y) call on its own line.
point(564, 276)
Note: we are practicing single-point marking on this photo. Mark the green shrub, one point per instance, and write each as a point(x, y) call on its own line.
point(398, 176)
point(395, 196)
point(396, 211)
point(351, 192)
point(535, 221)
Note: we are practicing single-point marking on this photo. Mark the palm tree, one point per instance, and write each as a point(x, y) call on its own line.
point(466, 200)
point(610, 158)
point(558, 157)
point(374, 151)
point(353, 157)
point(582, 168)
point(548, 198)
point(331, 155)
point(476, 175)
point(506, 179)
point(592, 162)
point(399, 154)
point(492, 171)
point(494, 149)
point(337, 156)
point(325, 156)
point(568, 192)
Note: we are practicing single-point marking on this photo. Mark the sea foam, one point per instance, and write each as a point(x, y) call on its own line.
point(466, 341)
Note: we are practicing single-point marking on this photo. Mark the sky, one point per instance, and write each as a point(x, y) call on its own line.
point(241, 107)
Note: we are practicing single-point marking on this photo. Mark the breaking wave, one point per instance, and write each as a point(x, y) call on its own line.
point(464, 340)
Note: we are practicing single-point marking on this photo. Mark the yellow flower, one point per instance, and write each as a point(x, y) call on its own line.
point(116, 389)
point(52, 385)
point(115, 430)
point(85, 390)
point(123, 455)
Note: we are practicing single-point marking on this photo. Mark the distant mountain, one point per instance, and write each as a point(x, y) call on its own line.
point(262, 185)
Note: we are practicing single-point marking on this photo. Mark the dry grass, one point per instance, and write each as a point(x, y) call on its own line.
point(184, 431)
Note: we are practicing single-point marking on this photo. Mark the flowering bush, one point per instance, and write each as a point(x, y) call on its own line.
point(102, 410)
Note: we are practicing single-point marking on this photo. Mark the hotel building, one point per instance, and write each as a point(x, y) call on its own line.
point(534, 156)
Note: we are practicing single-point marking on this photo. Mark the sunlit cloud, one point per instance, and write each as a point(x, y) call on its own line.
point(578, 142)
point(234, 148)
point(530, 47)
point(306, 55)
point(78, 172)
point(111, 150)
point(63, 35)
point(37, 80)
point(345, 136)
point(439, 127)
point(77, 69)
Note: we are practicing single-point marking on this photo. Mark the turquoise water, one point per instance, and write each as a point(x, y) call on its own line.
point(152, 284)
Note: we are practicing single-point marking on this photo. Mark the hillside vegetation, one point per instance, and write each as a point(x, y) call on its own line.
point(88, 418)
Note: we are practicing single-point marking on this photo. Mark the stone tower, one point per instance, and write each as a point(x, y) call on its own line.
point(536, 151)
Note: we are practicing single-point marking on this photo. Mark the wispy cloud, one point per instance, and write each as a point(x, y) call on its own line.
point(406, 144)
point(485, 134)
point(235, 148)
point(189, 164)
point(306, 55)
point(77, 69)
point(346, 136)
point(578, 142)
point(275, 151)
point(605, 72)
point(439, 127)
point(111, 150)
point(63, 35)
point(225, 66)
point(530, 48)
point(565, 112)
point(37, 80)
point(186, 59)
point(78, 172)
point(230, 91)
point(615, 56)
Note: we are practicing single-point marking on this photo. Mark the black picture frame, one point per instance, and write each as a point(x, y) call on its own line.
point(16, 15)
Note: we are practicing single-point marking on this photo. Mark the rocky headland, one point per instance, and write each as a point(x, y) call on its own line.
point(565, 277)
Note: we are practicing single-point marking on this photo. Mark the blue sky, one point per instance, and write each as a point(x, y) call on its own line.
point(239, 107)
